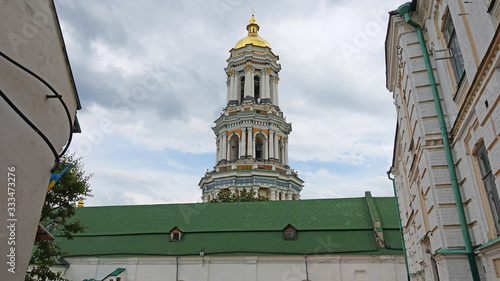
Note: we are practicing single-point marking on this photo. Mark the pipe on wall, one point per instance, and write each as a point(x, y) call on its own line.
point(399, 224)
point(404, 10)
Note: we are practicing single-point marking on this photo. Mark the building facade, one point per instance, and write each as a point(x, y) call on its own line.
point(442, 62)
point(38, 104)
point(322, 239)
point(251, 133)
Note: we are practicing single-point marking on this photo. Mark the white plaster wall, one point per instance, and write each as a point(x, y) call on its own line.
point(244, 268)
point(31, 36)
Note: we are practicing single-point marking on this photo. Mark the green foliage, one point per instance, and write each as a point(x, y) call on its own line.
point(242, 196)
point(56, 216)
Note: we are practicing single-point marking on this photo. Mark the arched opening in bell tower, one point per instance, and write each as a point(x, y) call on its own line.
point(233, 144)
point(259, 148)
point(242, 89)
point(281, 150)
point(256, 89)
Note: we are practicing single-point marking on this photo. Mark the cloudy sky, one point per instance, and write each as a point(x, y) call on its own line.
point(150, 76)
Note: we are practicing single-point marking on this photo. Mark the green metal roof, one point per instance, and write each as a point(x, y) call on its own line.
point(324, 226)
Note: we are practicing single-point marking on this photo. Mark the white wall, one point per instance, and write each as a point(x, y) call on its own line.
point(31, 36)
point(244, 268)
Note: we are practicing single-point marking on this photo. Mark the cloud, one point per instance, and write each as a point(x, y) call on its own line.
point(151, 80)
point(142, 187)
point(322, 183)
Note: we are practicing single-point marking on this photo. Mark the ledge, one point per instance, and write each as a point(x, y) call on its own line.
point(451, 251)
point(489, 243)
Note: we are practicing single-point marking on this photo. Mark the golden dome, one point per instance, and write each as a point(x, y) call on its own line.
point(256, 41)
point(252, 38)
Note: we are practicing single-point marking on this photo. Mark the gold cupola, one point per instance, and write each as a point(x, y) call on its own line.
point(252, 38)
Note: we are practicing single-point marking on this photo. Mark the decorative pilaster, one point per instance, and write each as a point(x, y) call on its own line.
point(253, 147)
point(286, 153)
point(248, 82)
point(276, 147)
point(228, 150)
point(282, 150)
point(243, 143)
point(276, 96)
point(251, 143)
point(271, 145)
point(266, 149)
point(235, 88)
point(228, 86)
point(266, 94)
point(217, 147)
point(224, 146)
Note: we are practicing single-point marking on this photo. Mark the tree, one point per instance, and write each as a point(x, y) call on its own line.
point(242, 196)
point(56, 217)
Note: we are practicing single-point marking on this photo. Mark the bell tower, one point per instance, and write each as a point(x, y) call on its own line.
point(251, 133)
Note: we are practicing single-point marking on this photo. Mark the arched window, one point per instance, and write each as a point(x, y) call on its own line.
point(234, 148)
point(259, 152)
point(242, 89)
point(281, 148)
point(256, 88)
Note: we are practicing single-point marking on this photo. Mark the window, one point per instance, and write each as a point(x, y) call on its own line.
point(175, 234)
point(256, 88)
point(489, 184)
point(457, 59)
point(290, 232)
point(259, 149)
point(234, 148)
point(242, 89)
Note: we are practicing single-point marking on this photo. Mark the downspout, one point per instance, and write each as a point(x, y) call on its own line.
point(176, 268)
point(399, 223)
point(404, 11)
point(307, 271)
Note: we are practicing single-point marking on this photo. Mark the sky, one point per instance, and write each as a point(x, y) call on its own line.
point(151, 81)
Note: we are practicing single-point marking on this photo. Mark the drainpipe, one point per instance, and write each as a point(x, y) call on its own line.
point(399, 223)
point(176, 268)
point(404, 11)
point(307, 271)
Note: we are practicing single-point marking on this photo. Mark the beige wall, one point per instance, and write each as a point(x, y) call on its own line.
point(427, 205)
